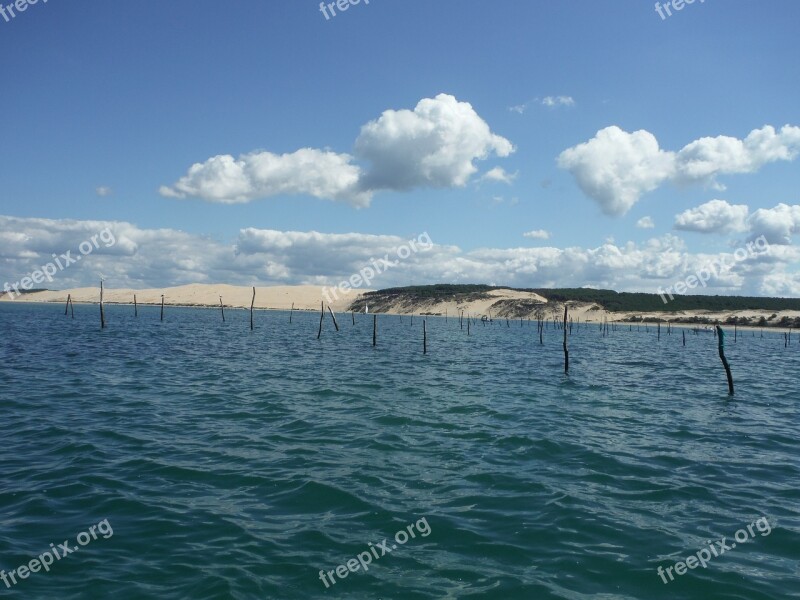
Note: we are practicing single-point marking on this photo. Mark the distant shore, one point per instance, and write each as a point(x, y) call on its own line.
point(498, 304)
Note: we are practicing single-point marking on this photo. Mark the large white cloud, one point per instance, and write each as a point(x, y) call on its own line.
point(146, 258)
point(715, 216)
point(615, 168)
point(435, 145)
point(776, 224)
point(317, 173)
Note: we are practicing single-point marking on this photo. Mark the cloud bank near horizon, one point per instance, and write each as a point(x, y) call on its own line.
point(151, 258)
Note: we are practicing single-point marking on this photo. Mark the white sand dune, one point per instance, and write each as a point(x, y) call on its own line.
point(308, 297)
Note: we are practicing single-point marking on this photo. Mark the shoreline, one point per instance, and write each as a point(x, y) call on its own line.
point(590, 322)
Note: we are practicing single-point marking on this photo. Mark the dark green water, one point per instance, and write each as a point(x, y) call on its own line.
point(232, 464)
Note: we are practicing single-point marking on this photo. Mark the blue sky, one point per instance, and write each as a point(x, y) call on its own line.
point(128, 96)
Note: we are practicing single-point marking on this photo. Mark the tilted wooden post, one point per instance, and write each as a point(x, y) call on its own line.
point(222, 308)
point(135, 307)
point(291, 312)
point(721, 336)
point(321, 317)
point(374, 330)
point(66, 308)
point(252, 304)
point(162, 307)
point(424, 337)
point(335, 324)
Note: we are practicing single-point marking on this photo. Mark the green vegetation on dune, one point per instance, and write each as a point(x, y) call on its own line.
point(607, 299)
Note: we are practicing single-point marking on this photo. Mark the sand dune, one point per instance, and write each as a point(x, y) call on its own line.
point(499, 303)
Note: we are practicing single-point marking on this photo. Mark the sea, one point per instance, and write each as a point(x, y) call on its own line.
point(192, 458)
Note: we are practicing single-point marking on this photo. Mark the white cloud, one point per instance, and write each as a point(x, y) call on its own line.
point(704, 159)
point(615, 168)
point(555, 101)
point(538, 234)
point(436, 145)
point(151, 258)
point(548, 101)
point(499, 174)
point(645, 223)
point(715, 216)
point(228, 180)
point(103, 191)
point(776, 224)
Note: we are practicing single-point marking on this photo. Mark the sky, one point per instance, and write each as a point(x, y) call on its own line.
point(618, 144)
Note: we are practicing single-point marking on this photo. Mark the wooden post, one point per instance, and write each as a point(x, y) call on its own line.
point(721, 336)
point(374, 330)
point(461, 319)
point(566, 350)
point(135, 307)
point(252, 304)
point(424, 337)
point(222, 308)
point(684, 337)
point(659, 332)
point(66, 308)
point(467, 325)
point(335, 324)
point(353, 314)
point(72, 308)
point(735, 333)
point(102, 311)
point(291, 312)
point(162, 307)
point(321, 317)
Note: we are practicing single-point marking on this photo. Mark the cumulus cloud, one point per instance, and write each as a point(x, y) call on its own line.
point(615, 168)
point(645, 223)
point(538, 234)
point(776, 224)
point(500, 175)
point(152, 258)
point(318, 173)
point(435, 145)
point(716, 216)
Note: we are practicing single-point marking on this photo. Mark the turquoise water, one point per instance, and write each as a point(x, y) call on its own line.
point(238, 464)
